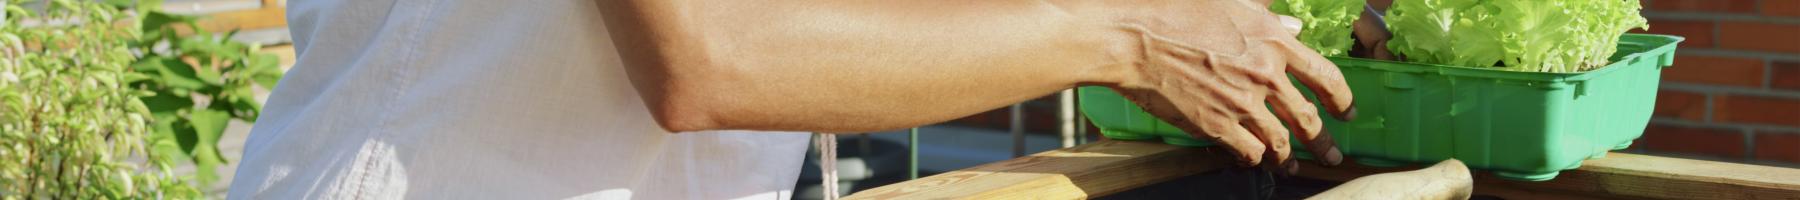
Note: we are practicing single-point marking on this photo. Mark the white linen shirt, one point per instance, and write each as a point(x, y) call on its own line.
point(483, 99)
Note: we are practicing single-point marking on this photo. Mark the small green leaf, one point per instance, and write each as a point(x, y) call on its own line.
point(120, 3)
point(147, 65)
point(244, 104)
point(210, 76)
point(263, 62)
point(208, 126)
point(164, 140)
point(132, 77)
point(267, 69)
point(156, 20)
point(166, 102)
point(175, 73)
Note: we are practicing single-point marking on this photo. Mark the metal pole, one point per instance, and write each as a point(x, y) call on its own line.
point(1081, 128)
point(1066, 117)
point(912, 154)
point(1081, 124)
point(1018, 130)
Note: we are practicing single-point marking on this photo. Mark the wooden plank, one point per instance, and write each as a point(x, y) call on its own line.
point(224, 16)
point(1108, 167)
point(285, 52)
point(1089, 170)
point(1623, 175)
point(206, 7)
point(263, 18)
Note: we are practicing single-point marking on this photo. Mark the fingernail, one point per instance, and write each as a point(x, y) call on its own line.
point(1349, 114)
point(1293, 167)
point(1333, 157)
point(1326, 149)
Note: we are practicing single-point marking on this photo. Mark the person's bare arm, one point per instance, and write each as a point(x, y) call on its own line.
point(849, 66)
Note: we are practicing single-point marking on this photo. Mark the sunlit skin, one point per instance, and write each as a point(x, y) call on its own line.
point(1208, 66)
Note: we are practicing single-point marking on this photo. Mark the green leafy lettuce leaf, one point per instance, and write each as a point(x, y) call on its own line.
point(1520, 35)
point(1325, 24)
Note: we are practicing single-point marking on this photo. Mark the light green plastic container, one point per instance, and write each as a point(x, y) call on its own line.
point(1520, 125)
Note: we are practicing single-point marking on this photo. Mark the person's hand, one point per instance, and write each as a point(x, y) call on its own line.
point(1371, 36)
point(1211, 67)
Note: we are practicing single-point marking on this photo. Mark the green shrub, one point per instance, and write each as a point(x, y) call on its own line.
point(100, 101)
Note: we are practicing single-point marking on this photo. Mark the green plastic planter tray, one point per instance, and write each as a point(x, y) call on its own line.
point(1520, 125)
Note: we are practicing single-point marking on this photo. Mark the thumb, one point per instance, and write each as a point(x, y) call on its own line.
point(1291, 24)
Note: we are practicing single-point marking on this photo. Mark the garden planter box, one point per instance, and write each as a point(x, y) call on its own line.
point(1520, 125)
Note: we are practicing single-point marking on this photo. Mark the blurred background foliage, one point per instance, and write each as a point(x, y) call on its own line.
point(100, 99)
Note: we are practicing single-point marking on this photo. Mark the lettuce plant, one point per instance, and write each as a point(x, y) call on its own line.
point(1519, 35)
point(1325, 24)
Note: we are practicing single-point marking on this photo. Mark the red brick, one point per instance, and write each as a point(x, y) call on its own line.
point(1760, 36)
point(1732, 71)
point(1778, 146)
point(1756, 110)
point(1699, 34)
point(1785, 75)
point(1790, 8)
point(1726, 6)
point(1680, 104)
point(1704, 141)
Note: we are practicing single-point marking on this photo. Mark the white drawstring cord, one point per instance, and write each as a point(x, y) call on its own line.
point(827, 144)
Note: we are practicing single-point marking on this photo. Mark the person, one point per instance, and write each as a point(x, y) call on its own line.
point(688, 99)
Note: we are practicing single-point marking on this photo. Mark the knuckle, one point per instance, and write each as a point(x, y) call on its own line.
point(1278, 142)
point(1253, 155)
point(1311, 125)
point(1215, 127)
point(1305, 114)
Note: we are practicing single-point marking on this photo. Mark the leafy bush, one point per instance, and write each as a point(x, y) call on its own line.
point(99, 100)
point(221, 72)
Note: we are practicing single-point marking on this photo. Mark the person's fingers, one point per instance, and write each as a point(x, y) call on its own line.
point(1291, 24)
point(1264, 3)
point(1323, 78)
point(1273, 135)
point(1372, 35)
point(1370, 28)
point(1381, 52)
point(1249, 149)
point(1246, 147)
point(1302, 118)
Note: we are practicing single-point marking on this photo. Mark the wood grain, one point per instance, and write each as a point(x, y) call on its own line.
point(262, 18)
point(1089, 170)
point(1107, 167)
point(225, 16)
point(1624, 176)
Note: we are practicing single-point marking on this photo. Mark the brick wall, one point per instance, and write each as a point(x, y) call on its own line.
point(1734, 92)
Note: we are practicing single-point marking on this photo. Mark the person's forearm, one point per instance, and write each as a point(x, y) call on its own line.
point(848, 66)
